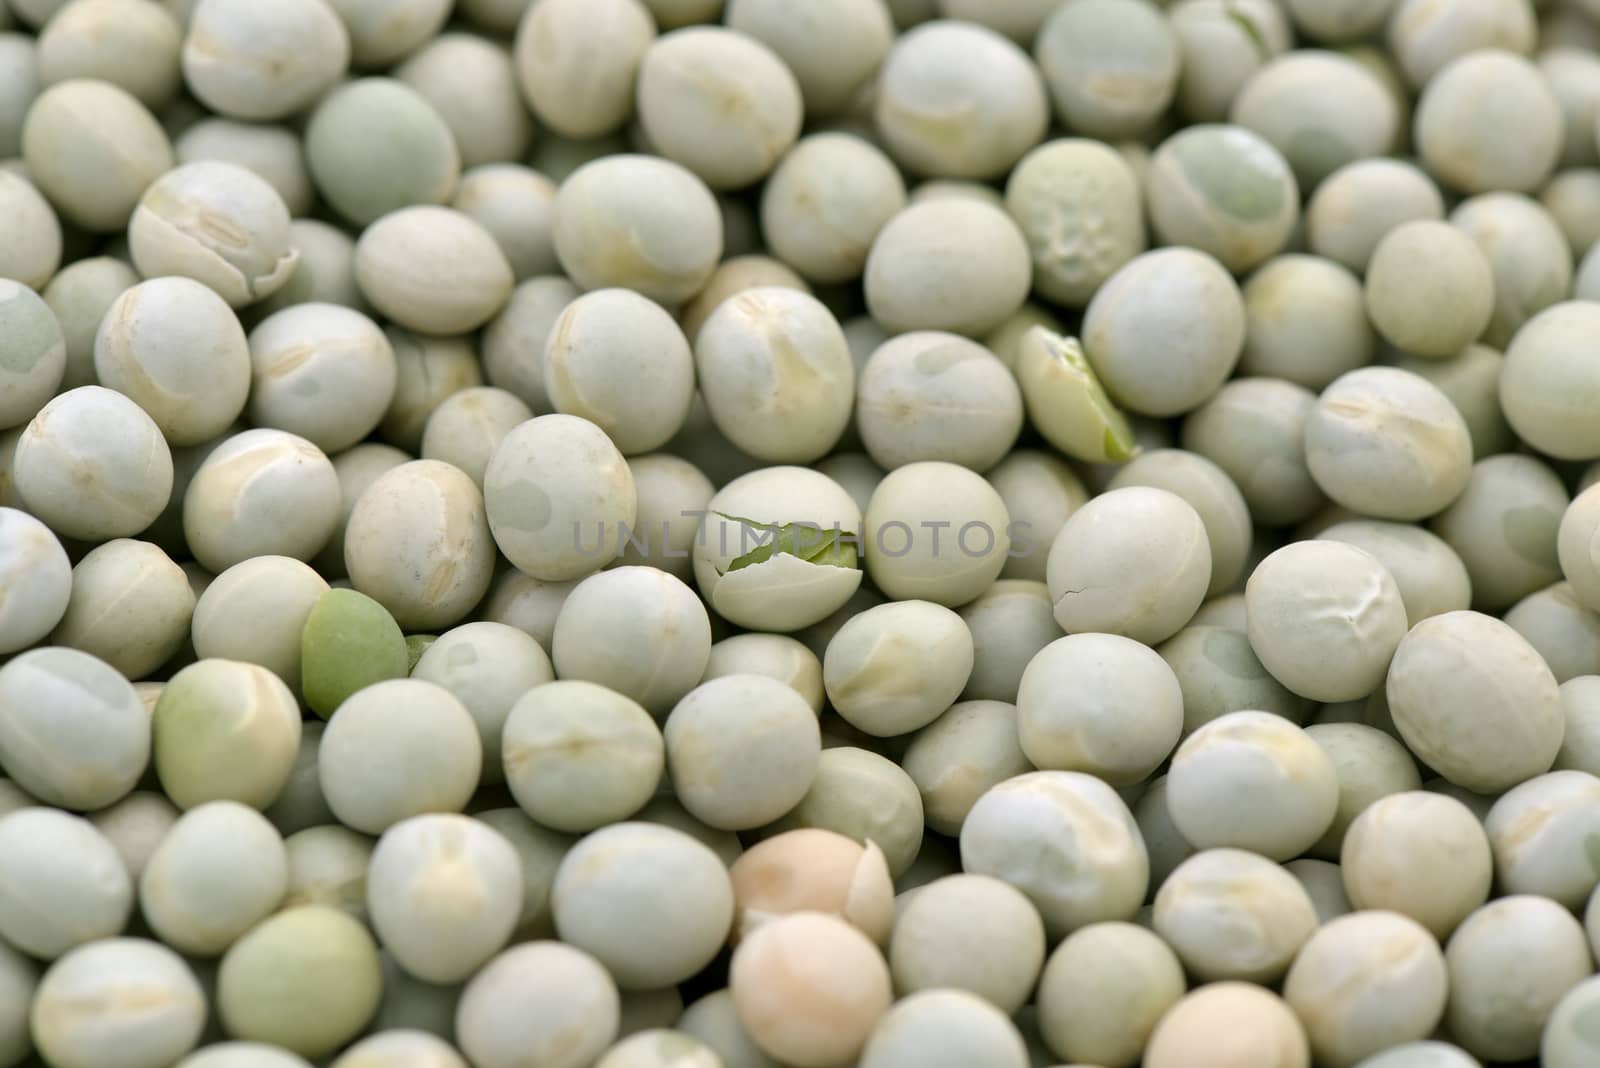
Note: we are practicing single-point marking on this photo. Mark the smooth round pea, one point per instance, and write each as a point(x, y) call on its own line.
point(1230, 914)
point(1054, 814)
point(117, 1003)
point(551, 481)
point(1161, 577)
point(1099, 703)
point(826, 201)
point(1488, 121)
point(947, 264)
point(1429, 289)
point(433, 269)
point(1545, 374)
point(720, 102)
point(1421, 854)
point(1320, 109)
point(664, 246)
point(174, 347)
point(62, 883)
point(467, 426)
point(809, 988)
point(33, 354)
point(1564, 632)
point(418, 542)
point(1149, 364)
point(672, 493)
point(76, 734)
point(742, 750)
point(382, 34)
point(651, 903)
point(252, 62)
point(1521, 953)
point(1219, 673)
point(249, 479)
point(349, 641)
point(957, 100)
point(1572, 200)
point(968, 932)
point(219, 871)
point(775, 655)
point(1103, 990)
point(1263, 757)
point(944, 1029)
point(1212, 494)
point(542, 999)
point(1567, 1040)
point(397, 749)
point(1505, 527)
point(1499, 735)
point(444, 893)
point(872, 658)
point(225, 730)
point(1306, 321)
point(971, 747)
point(328, 866)
point(324, 372)
point(618, 360)
point(37, 577)
point(1254, 429)
point(33, 233)
point(306, 979)
point(93, 149)
point(832, 53)
point(375, 146)
point(515, 204)
point(579, 756)
point(1539, 832)
point(1367, 982)
point(1223, 190)
point(930, 395)
point(1370, 764)
point(578, 63)
point(1527, 255)
point(130, 606)
point(80, 294)
point(653, 654)
point(1224, 1024)
point(93, 465)
point(1111, 67)
point(472, 83)
point(776, 374)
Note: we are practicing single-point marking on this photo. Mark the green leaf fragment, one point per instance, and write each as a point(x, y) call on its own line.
point(808, 541)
